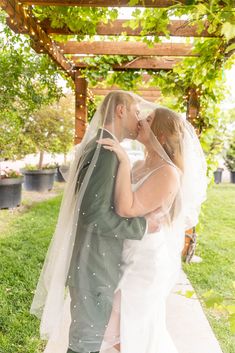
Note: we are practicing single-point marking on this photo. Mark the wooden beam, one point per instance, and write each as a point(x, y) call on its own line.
point(150, 63)
point(177, 28)
point(145, 90)
point(80, 107)
point(140, 87)
point(104, 3)
point(127, 48)
point(21, 17)
point(151, 92)
point(152, 96)
point(161, 63)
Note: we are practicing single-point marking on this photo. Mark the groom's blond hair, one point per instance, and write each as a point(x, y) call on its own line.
point(111, 101)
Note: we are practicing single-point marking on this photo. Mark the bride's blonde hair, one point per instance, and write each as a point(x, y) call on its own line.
point(168, 127)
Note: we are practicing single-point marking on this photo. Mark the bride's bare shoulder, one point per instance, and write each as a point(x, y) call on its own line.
point(173, 170)
point(166, 173)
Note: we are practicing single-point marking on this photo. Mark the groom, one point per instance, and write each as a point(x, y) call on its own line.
point(96, 259)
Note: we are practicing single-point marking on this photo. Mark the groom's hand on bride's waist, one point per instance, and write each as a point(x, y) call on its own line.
point(153, 224)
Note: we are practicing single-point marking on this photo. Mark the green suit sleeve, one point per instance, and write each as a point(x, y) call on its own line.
point(97, 208)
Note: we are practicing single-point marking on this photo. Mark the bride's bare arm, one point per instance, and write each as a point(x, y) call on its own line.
point(123, 190)
point(156, 192)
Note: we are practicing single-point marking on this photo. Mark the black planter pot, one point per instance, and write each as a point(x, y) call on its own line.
point(10, 192)
point(232, 176)
point(38, 180)
point(59, 177)
point(218, 175)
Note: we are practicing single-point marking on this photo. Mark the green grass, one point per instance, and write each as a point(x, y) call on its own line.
point(24, 241)
point(22, 249)
point(216, 246)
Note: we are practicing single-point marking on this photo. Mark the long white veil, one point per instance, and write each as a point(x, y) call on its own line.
point(51, 300)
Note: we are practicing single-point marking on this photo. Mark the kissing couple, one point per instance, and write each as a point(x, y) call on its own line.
point(116, 252)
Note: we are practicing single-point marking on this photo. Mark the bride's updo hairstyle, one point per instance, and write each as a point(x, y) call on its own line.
point(168, 127)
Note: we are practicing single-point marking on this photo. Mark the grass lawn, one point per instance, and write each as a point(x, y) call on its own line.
point(24, 240)
point(23, 245)
point(216, 246)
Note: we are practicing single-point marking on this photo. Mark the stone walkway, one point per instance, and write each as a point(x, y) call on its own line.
point(187, 323)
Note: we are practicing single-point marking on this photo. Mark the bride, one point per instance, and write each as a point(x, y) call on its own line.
point(150, 267)
point(119, 303)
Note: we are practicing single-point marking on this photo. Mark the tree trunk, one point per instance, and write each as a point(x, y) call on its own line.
point(65, 158)
point(41, 155)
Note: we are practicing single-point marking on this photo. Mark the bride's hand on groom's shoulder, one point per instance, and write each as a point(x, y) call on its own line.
point(114, 146)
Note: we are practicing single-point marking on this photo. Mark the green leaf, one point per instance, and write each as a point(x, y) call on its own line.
point(189, 293)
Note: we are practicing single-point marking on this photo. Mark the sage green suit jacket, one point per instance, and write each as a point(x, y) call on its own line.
point(95, 267)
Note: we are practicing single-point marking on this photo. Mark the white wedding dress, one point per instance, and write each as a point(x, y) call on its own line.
point(138, 319)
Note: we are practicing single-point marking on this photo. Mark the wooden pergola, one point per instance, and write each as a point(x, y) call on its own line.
point(70, 55)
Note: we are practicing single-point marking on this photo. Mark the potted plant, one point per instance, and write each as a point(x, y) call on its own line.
point(39, 178)
point(10, 188)
point(230, 158)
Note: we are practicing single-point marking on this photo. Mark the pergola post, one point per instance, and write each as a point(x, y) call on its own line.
point(80, 107)
point(193, 105)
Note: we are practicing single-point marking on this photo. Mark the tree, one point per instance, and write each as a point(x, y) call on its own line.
point(51, 129)
point(27, 82)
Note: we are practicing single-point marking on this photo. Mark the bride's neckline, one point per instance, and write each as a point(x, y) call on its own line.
point(149, 171)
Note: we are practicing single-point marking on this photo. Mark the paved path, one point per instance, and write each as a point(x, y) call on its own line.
point(187, 323)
